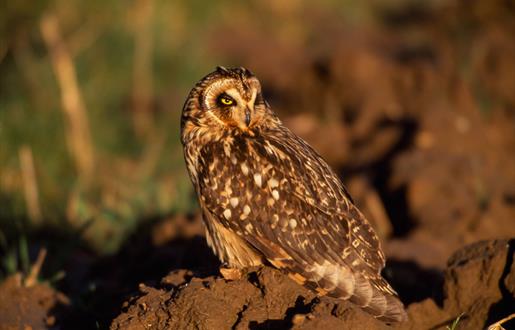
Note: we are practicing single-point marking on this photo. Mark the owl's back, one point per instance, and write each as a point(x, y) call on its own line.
point(277, 197)
point(267, 196)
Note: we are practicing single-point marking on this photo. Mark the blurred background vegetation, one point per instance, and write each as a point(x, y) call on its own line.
point(90, 99)
point(91, 94)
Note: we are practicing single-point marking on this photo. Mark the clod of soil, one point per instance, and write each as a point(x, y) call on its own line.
point(33, 307)
point(477, 285)
point(263, 299)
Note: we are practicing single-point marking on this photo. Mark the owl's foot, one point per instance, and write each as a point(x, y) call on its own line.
point(230, 274)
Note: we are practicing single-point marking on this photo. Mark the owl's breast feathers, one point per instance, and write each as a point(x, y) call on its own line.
point(276, 194)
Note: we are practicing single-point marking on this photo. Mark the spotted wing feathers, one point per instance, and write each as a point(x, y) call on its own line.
point(284, 200)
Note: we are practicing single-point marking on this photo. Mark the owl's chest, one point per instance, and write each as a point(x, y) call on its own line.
point(232, 176)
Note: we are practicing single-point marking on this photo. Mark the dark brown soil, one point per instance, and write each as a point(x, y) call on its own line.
point(34, 307)
point(477, 282)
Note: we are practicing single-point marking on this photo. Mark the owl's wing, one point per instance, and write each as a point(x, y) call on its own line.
point(283, 199)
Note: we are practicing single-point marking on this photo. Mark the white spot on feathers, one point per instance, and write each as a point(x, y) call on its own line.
point(227, 149)
point(227, 214)
point(273, 183)
point(246, 212)
point(234, 201)
point(257, 179)
point(244, 169)
point(275, 194)
point(275, 220)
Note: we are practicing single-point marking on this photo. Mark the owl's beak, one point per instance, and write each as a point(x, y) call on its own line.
point(244, 117)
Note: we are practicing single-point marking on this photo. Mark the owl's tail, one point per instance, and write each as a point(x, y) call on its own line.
point(369, 291)
point(374, 295)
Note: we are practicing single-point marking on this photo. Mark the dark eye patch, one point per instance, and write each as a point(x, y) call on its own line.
point(224, 100)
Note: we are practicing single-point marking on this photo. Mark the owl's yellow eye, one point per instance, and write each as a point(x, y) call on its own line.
point(226, 100)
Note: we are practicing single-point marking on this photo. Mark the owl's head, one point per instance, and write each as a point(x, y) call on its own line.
point(225, 101)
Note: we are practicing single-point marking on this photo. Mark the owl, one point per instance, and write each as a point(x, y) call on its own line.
point(268, 198)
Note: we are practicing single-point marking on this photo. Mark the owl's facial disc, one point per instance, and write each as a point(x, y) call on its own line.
point(235, 107)
point(242, 109)
point(230, 100)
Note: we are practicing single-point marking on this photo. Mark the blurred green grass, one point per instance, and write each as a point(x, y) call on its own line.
point(135, 177)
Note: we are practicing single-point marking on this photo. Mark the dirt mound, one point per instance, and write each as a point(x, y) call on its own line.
point(263, 299)
point(478, 284)
point(29, 307)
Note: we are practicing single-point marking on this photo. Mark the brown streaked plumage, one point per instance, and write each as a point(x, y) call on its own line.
point(268, 197)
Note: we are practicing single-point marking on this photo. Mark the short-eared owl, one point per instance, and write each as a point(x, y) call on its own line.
point(268, 198)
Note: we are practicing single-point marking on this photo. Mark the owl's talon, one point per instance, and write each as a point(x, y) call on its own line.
point(231, 274)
